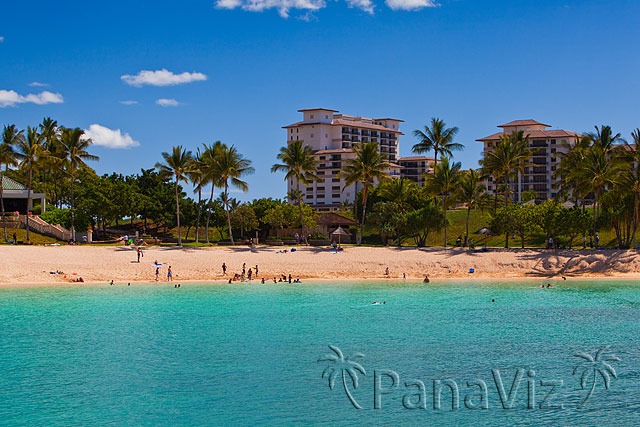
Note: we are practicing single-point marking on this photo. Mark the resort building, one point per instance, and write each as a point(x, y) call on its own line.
point(414, 168)
point(14, 196)
point(546, 144)
point(332, 137)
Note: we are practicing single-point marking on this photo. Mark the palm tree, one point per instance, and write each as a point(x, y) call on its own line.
point(230, 166)
point(300, 165)
point(631, 177)
point(442, 183)
point(211, 175)
point(604, 138)
point(53, 163)
point(8, 158)
point(74, 152)
point(508, 159)
point(198, 178)
point(571, 157)
point(176, 165)
point(343, 365)
point(597, 172)
point(367, 165)
point(595, 365)
point(30, 151)
point(438, 138)
point(470, 192)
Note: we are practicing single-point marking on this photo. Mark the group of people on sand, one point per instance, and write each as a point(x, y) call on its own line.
point(248, 275)
point(387, 273)
point(169, 272)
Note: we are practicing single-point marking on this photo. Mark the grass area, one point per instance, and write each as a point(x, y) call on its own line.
point(21, 235)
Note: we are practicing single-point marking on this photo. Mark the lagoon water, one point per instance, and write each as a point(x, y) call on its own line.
point(248, 354)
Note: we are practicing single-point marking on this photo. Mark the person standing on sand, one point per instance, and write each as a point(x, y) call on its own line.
point(157, 272)
point(224, 269)
point(256, 270)
point(250, 274)
point(386, 271)
point(169, 275)
point(244, 268)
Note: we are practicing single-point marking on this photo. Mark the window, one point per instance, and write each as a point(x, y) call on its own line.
point(326, 135)
point(311, 116)
point(336, 196)
point(311, 135)
point(322, 157)
point(335, 188)
point(326, 117)
point(335, 179)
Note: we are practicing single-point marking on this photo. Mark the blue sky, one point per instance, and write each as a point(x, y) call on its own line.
point(476, 64)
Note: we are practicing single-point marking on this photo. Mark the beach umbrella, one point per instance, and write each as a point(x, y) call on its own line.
point(485, 231)
point(339, 232)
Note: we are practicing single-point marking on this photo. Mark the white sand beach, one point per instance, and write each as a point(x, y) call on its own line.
point(21, 265)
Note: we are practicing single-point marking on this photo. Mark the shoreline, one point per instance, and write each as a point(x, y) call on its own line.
point(30, 266)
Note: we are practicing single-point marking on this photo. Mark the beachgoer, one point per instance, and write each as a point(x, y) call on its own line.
point(178, 284)
point(386, 271)
point(256, 270)
point(15, 238)
point(493, 300)
point(597, 240)
point(289, 277)
point(263, 280)
point(250, 273)
point(139, 251)
point(426, 279)
point(274, 280)
point(111, 284)
point(229, 281)
point(224, 269)
point(128, 284)
point(404, 276)
point(564, 278)
point(584, 242)
point(550, 242)
point(244, 268)
point(169, 275)
point(157, 273)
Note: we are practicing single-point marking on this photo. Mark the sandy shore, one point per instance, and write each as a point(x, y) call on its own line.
point(32, 265)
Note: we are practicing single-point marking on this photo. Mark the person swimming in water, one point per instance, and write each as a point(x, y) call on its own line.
point(426, 279)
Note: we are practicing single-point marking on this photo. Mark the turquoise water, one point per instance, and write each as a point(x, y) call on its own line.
point(247, 354)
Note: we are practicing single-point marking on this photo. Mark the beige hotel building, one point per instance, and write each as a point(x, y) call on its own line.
point(545, 143)
point(332, 136)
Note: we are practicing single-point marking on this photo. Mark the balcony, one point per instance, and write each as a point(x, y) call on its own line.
point(346, 145)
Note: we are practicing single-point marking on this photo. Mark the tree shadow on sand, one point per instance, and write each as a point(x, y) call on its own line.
point(573, 263)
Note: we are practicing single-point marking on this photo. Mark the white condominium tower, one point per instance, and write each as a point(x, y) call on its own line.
point(332, 137)
point(545, 144)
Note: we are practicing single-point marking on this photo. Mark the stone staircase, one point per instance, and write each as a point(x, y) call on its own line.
point(40, 226)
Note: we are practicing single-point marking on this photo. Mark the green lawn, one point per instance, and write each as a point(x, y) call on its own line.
point(21, 234)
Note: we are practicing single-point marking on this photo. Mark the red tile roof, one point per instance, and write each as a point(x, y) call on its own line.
point(535, 134)
point(415, 158)
point(524, 123)
point(316, 109)
point(330, 218)
point(340, 122)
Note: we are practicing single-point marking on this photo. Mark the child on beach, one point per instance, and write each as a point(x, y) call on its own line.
point(169, 275)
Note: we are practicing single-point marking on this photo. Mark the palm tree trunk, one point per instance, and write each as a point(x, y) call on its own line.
point(178, 214)
point(198, 216)
point(444, 210)
point(226, 206)
point(595, 203)
point(28, 199)
point(299, 196)
point(365, 194)
point(73, 212)
point(635, 219)
point(466, 237)
point(4, 224)
point(209, 210)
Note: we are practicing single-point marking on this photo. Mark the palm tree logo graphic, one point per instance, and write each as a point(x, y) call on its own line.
point(339, 365)
point(593, 366)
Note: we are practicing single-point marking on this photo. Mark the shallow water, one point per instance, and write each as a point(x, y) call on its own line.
point(242, 354)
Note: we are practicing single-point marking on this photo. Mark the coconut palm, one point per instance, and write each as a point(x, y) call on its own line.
point(8, 158)
point(211, 175)
point(30, 150)
point(470, 192)
point(571, 157)
point(596, 173)
point(367, 165)
point(344, 366)
point(177, 165)
point(442, 183)
point(630, 178)
point(229, 165)
point(604, 138)
point(508, 159)
point(198, 178)
point(53, 164)
point(74, 151)
point(594, 366)
point(300, 165)
point(438, 138)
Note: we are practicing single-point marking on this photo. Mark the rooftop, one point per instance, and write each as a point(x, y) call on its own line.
point(417, 158)
point(535, 134)
point(316, 109)
point(10, 184)
point(523, 123)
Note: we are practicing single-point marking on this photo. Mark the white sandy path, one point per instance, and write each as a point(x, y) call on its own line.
point(31, 265)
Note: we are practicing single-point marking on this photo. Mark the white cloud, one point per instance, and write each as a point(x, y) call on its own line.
point(365, 5)
point(282, 6)
point(38, 84)
point(10, 98)
point(164, 102)
point(109, 138)
point(128, 102)
point(162, 77)
point(1, 39)
point(410, 4)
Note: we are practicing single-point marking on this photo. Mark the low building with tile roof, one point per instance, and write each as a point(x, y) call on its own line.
point(14, 196)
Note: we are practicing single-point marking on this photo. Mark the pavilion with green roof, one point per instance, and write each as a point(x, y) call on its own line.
point(14, 196)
